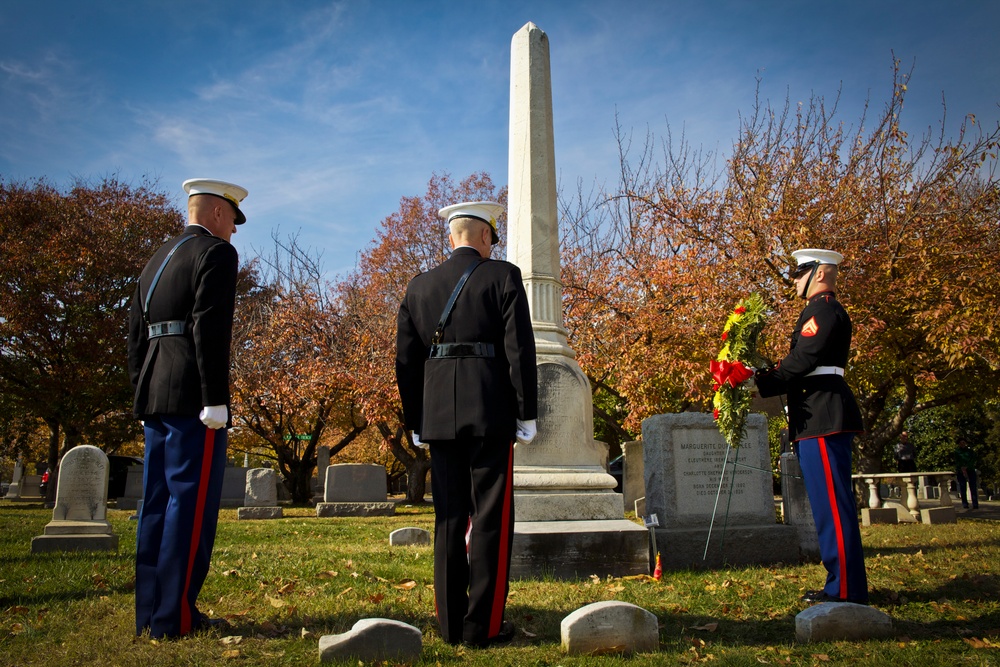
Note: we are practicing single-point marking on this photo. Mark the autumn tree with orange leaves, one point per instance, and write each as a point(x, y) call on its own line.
point(652, 270)
point(291, 390)
point(408, 242)
point(69, 263)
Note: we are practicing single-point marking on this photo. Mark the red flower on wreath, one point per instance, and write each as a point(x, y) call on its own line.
point(732, 372)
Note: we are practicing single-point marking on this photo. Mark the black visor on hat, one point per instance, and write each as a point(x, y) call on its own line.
point(802, 269)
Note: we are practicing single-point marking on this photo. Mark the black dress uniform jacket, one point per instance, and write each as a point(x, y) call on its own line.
point(449, 398)
point(818, 405)
point(180, 374)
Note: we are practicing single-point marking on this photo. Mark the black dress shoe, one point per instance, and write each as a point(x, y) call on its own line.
point(505, 636)
point(206, 623)
point(823, 596)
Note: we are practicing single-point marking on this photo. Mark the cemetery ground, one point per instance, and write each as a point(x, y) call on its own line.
point(281, 584)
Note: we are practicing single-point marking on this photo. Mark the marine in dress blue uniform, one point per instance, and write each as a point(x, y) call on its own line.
point(823, 418)
point(468, 394)
point(180, 329)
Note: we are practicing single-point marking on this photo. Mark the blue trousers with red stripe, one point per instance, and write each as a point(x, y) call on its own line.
point(472, 482)
point(826, 469)
point(184, 466)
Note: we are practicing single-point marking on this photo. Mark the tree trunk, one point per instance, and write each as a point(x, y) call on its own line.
point(299, 481)
point(416, 480)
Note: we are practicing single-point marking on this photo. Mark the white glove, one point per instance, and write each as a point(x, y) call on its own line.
point(418, 442)
point(526, 431)
point(214, 416)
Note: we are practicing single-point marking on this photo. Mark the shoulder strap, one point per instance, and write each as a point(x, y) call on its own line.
point(439, 332)
point(159, 272)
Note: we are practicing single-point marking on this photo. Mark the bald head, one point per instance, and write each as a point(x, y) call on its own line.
point(471, 232)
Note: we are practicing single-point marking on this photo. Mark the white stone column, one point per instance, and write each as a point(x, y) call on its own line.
point(569, 521)
point(564, 461)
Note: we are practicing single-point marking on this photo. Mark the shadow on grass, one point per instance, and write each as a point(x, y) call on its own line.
point(927, 547)
point(967, 588)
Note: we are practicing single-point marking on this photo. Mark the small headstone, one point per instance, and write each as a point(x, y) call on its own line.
point(133, 489)
point(322, 463)
point(355, 489)
point(373, 640)
point(610, 627)
point(874, 515)
point(838, 621)
point(796, 509)
point(938, 515)
point(261, 498)
point(404, 537)
point(640, 506)
point(14, 490)
point(234, 486)
point(79, 518)
point(633, 483)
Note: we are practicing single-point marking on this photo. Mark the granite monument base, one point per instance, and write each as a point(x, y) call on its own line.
point(578, 549)
point(682, 548)
point(355, 509)
point(80, 542)
point(244, 513)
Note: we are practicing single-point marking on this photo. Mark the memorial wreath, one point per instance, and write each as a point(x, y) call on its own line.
point(733, 367)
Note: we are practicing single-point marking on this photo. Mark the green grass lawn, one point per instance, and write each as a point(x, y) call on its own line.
point(284, 583)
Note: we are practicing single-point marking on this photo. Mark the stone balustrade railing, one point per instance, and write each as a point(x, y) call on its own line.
point(909, 479)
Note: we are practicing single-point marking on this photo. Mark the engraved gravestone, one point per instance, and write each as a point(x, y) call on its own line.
point(355, 489)
point(79, 518)
point(684, 459)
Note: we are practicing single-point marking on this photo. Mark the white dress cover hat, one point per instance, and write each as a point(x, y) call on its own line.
point(817, 256)
point(231, 192)
point(487, 211)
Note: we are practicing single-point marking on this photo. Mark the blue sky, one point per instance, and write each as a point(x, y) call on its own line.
point(329, 112)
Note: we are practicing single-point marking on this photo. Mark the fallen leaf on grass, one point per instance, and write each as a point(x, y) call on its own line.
point(305, 634)
point(287, 588)
point(375, 599)
point(349, 588)
point(406, 584)
point(329, 574)
point(975, 642)
point(710, 627)
point(231, 573)
point(229, 655)
point(231, 640)
point(823, 657)
point(275, 602)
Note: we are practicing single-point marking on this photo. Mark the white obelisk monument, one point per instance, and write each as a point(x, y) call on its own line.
point(569, 520)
